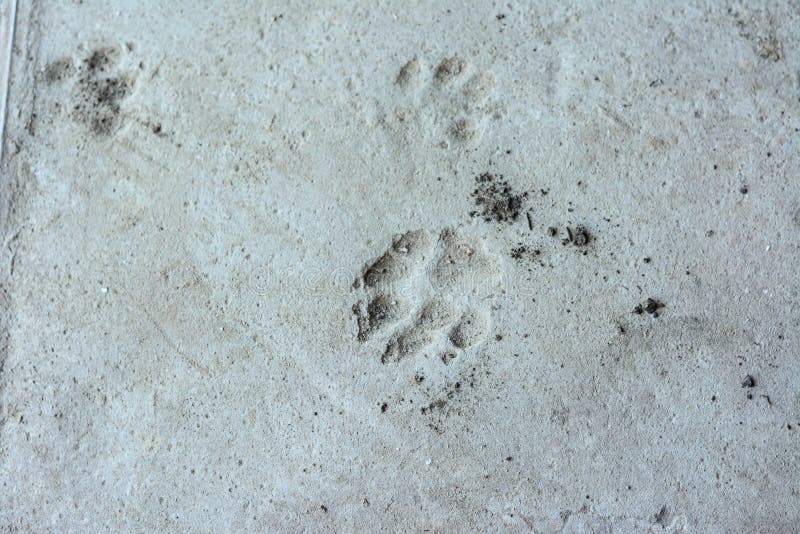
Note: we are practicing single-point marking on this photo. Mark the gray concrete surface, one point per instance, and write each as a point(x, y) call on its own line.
point(363, 266)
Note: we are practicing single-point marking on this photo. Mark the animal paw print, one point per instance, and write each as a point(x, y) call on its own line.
point(448, 103)
point(427, 294)
point(98, 88)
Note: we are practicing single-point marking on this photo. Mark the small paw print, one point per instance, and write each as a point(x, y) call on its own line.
point(98, 87)
point(443, 104)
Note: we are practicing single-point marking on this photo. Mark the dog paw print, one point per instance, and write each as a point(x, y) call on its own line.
point(98, 88)
point(427, 295)
point(447, 103)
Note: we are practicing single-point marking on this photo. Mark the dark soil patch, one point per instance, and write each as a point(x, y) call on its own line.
point(100, 93)
point(578, 236)
point(651, 306)
point(496, 199)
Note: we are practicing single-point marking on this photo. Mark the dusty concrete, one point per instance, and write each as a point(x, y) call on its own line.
point(371, 265)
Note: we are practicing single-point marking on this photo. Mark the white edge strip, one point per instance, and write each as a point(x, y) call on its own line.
point(8, 17)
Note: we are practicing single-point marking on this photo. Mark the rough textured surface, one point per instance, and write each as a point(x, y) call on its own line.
point(255, 274)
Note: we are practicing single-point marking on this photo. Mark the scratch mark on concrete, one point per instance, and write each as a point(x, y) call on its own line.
point(167, 338)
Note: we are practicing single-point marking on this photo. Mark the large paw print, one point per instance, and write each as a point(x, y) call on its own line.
point(427, 294)
point(447, 103)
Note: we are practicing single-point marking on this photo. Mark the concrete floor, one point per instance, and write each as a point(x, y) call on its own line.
point(362, 266)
